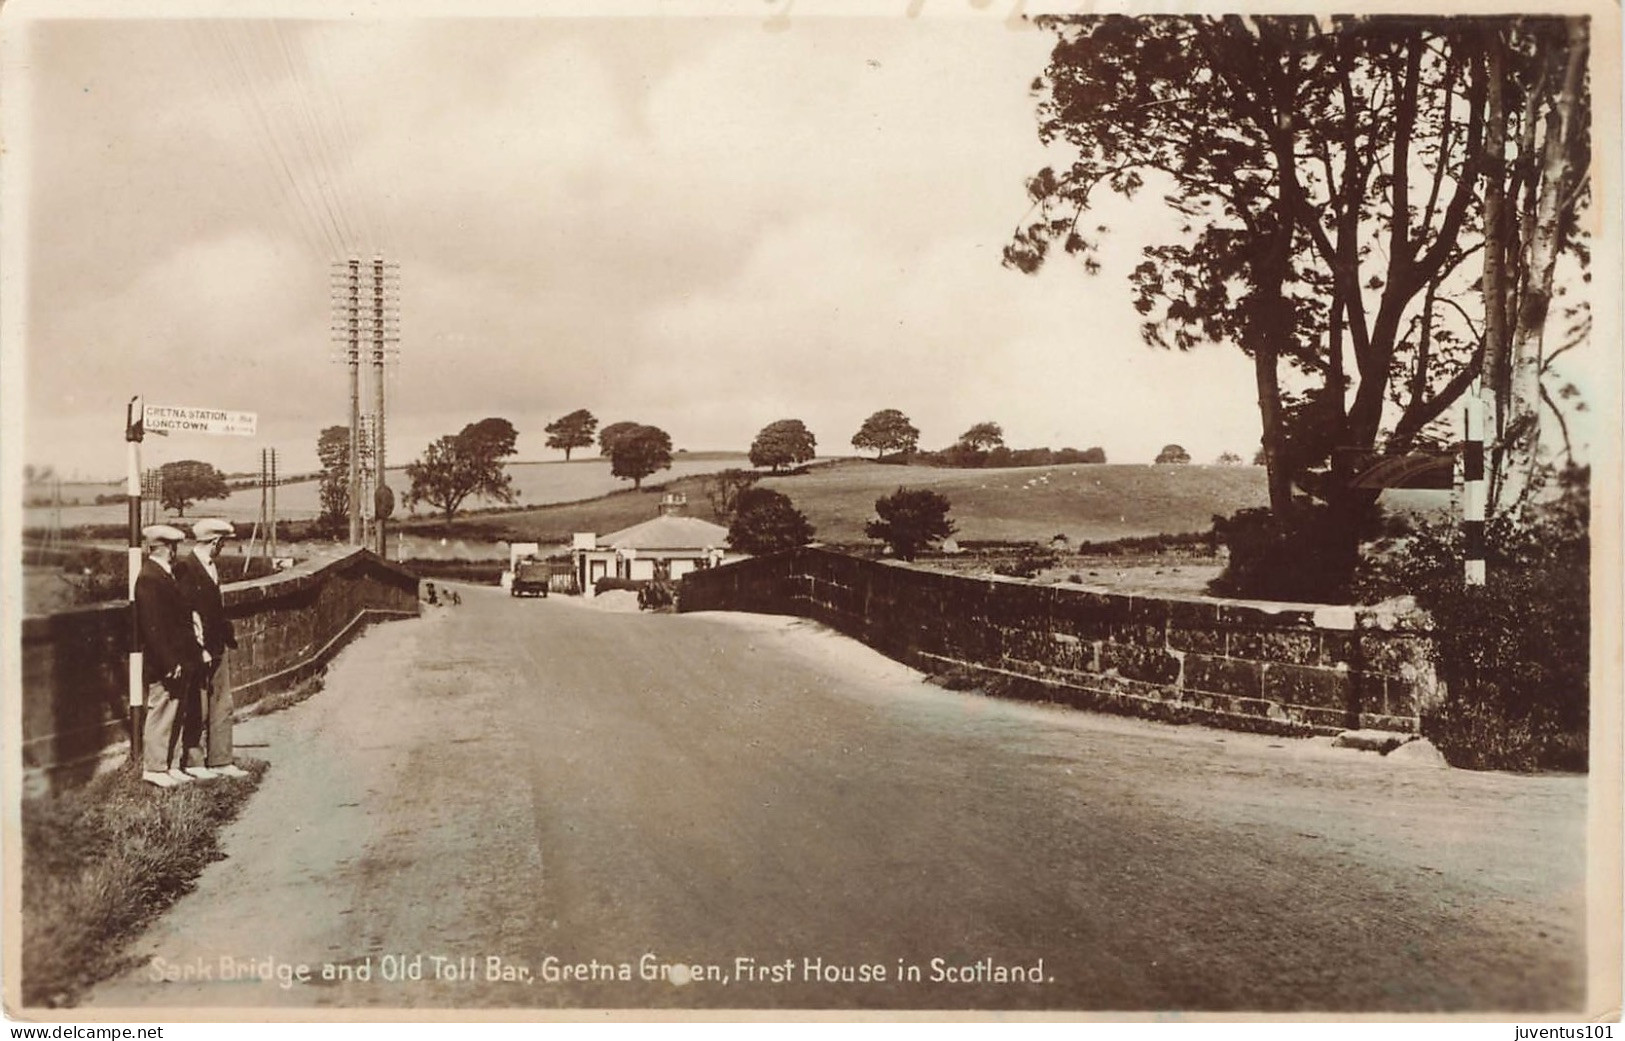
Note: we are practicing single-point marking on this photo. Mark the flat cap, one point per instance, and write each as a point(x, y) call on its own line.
point(153, 534)
point(211, 528)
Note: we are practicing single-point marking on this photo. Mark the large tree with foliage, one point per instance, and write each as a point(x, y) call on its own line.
point(571, 431)
point(469, 462)
point(190, 481)
point(613, 433)
point(767, 522)
point(639, 452)
point(886, 431)
point(1328, 174)
point(983, 437)
point(333, 451)
point(783, 443)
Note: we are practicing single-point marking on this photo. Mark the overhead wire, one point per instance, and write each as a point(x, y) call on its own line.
point(254, 88)
point(222, 64)
point(277, 66)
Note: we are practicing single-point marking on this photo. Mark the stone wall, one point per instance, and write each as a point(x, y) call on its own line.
point(1283, 668)
point(75, 673)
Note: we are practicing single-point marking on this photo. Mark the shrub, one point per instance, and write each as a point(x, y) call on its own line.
point(766, 522)
point(909, 520)
point(1515, 652)
point(1291, 558)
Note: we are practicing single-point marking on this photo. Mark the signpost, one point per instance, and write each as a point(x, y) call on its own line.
point(140, 420)
point(175, 419)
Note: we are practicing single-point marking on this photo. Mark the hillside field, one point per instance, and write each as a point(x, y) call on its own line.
point(1094, 503)
point(537, 483)
point(1086, 503)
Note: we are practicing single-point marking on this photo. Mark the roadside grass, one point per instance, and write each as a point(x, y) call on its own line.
point(102, 861)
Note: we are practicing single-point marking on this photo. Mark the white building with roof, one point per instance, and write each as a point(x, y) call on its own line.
point(667, 546)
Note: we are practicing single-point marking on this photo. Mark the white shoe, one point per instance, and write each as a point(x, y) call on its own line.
point(158, 779)
point(230, 770)
point(180, 776)
point(203, 773)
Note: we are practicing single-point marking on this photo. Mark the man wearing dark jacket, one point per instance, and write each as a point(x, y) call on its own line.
point(209, 719)
point(170, 656)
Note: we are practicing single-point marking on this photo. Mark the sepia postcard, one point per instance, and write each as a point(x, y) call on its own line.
point(945, 509)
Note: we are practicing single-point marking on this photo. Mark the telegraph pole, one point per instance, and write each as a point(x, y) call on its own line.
point(383, 499)
point(264, 526)
point(354, 358)
point(376, 300)
point(273, 508)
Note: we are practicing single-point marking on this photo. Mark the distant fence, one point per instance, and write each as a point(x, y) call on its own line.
point(1281, 668)
point(75, 689)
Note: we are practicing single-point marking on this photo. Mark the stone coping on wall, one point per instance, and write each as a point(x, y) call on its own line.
point(298, 579)
point(1283, 667)
point(289, 624)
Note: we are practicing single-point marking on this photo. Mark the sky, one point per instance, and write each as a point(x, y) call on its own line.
point(707, 224)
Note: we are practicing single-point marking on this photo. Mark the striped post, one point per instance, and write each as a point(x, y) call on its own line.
point(132, 494)
point(1472, 488)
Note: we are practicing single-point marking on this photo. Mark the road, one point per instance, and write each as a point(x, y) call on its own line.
point(758, 813)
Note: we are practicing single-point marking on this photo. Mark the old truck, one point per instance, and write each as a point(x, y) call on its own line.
point(531, 578)
point(528, 574)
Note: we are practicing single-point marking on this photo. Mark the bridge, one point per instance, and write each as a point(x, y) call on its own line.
point(544, 804)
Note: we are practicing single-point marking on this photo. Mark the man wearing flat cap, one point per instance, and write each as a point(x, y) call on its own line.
point(170, 656)
point(207, 732)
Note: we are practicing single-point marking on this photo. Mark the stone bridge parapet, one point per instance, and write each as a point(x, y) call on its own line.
point(1253, 665)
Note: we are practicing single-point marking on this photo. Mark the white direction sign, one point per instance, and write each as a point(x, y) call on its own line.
point(173, 418)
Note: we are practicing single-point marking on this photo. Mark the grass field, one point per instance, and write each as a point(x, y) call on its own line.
point(1086, 503)
point(585, 477)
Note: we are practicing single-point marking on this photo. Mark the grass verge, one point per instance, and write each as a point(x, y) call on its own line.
point(102, 861)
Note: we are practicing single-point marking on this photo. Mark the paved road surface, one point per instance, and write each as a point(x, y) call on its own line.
point(549, 784)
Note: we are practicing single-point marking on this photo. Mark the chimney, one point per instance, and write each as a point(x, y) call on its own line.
point(673, 503)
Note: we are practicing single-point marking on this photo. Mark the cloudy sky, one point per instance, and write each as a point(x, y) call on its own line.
point(703, 223)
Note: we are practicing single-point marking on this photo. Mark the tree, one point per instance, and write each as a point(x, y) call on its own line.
point(189, 481)
point(571, 431)
point(908, 520)
point(1538, 156)
point(983, 436)
point(469, 462)
point(333, 450)
point(639, 452)
point(766, 522)
point(1229, 459)
point(784, 443)
point(723, 489)
point(1094, 455)
point(1173, 454)
point(886, 431)
point(613, 433)
point(1329, 176)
